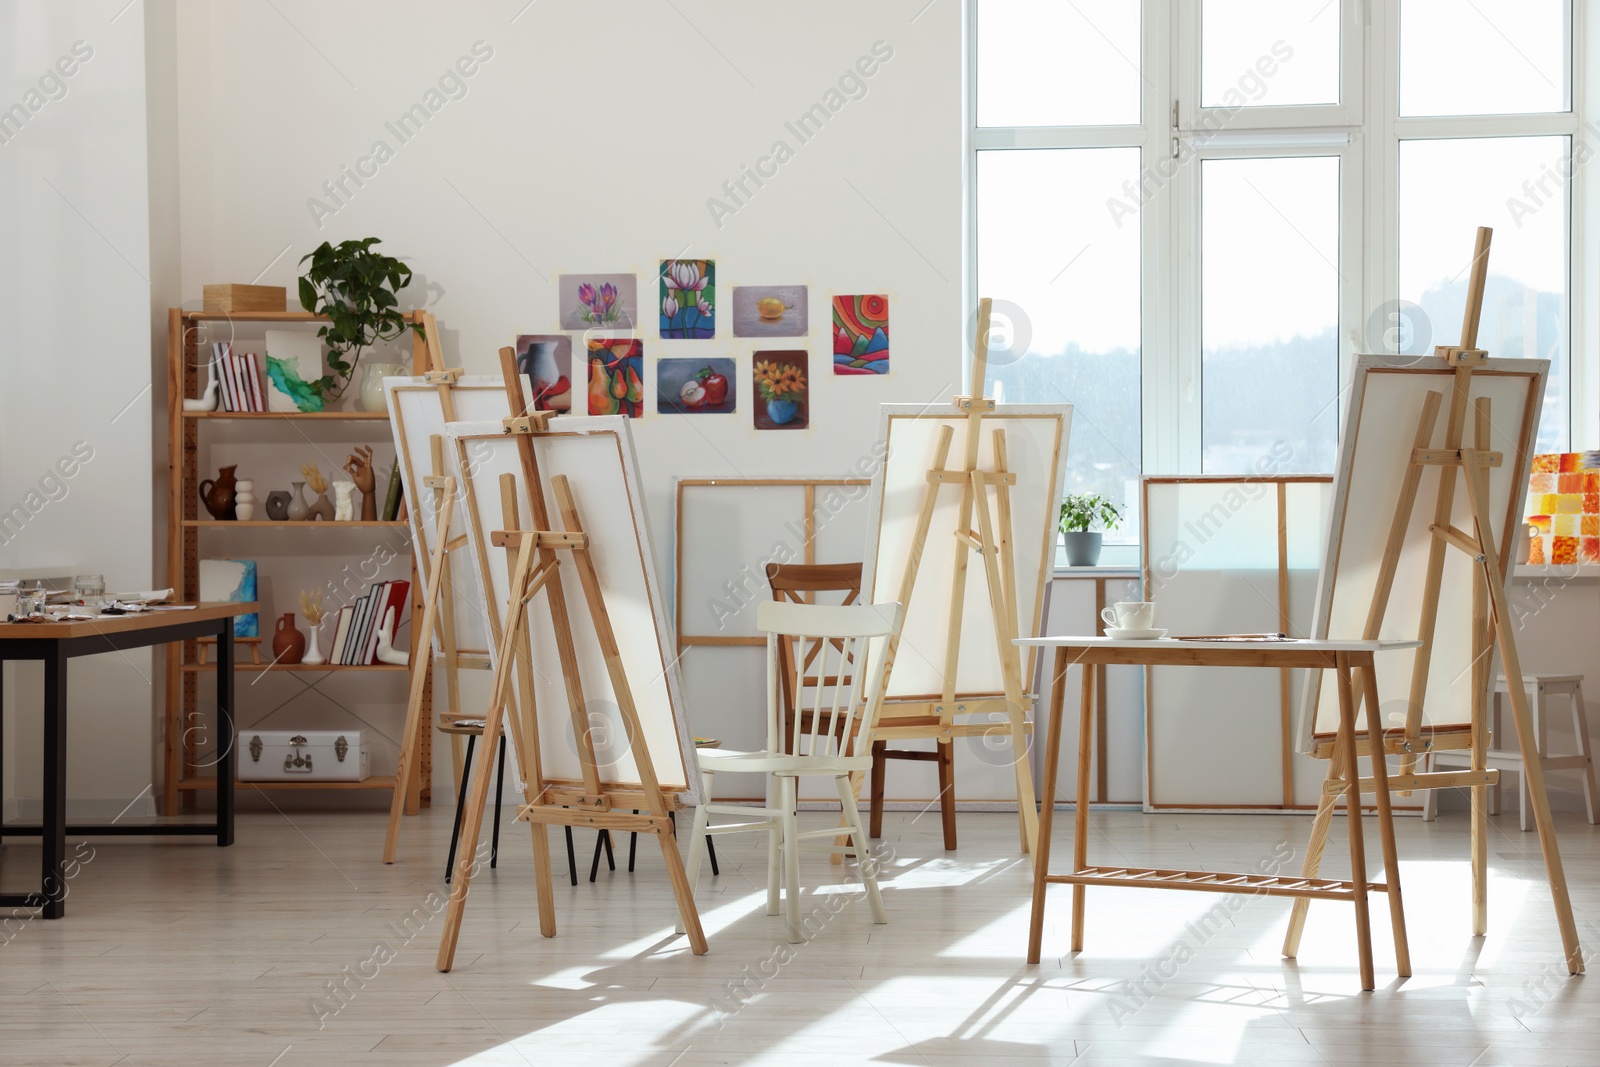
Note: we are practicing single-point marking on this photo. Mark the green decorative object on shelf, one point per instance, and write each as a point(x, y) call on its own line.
point(1079, 511)
point(356, 289)
point(286, 377)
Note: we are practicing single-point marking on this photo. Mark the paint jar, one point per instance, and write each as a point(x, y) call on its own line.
point(9, 587)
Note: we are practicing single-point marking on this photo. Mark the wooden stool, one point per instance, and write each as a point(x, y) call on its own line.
point(1540, 688)
point(472, 729)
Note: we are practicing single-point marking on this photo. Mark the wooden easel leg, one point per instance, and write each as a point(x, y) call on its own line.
point(1047, 814)
point(1391, 855)
point(947, 792)
point(1312, 864)
point(1527, 738)
point(531, 764)
point(407, 767)
point(1479, 754)
point(1080, 838)
point(875, 811)
point(1352, 809)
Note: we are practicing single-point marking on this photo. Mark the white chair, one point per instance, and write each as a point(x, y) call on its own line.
point(1540, 688)
point(830, 646)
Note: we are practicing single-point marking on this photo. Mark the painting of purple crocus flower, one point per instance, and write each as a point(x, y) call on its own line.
point(607, 300)
point(688, 298)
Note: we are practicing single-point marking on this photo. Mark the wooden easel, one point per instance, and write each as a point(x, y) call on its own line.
point(1491, 628)
point(535, 567)
point(438, 605)
point(992, 541)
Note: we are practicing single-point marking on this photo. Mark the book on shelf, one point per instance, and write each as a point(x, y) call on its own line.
point(219, 367)
point(341, 633)
point(252, 370)
point(391, 497)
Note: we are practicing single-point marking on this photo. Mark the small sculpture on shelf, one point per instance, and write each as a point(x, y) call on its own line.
point(387, 653)
point(218, 494)
point(359, 466)
point(278, 505)
point(244, 500)
point(208, 396)
point(344, 507)
point(322, 507)
point(311, 608)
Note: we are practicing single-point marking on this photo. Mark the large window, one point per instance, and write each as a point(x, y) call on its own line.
point(1193, 214)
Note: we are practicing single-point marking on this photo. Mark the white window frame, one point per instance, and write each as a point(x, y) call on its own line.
point(1364, 131)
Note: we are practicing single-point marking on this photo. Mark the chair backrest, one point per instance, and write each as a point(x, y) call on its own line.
point(799, 583)
point(848, 690)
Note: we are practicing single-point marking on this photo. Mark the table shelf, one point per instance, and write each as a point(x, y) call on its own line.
point(377, 781)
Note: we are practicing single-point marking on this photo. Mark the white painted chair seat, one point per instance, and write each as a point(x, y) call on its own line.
point(829, 740)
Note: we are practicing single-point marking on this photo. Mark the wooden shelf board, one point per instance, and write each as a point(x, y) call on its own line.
point(377, 781)
point(269, 523)
point(324, 416)
point(251, 316)
point(195, 668)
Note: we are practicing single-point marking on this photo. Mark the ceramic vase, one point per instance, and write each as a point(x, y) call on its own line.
point(288, 643)
point(372, 377)
point(313, 654)
point(244, 500)
point(218, 494)
point(278, 505)
point(321, 508)
point(782, 411)
point(297, 508)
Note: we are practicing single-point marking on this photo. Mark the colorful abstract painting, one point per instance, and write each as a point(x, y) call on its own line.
point(1564, 510)
point(782, 392)
point(694, 386)
point(770, 311)
point(688, 298)
point(546, 358)
point(861, 335)
point(616, 376)
point(233, 580)
point(604, 300)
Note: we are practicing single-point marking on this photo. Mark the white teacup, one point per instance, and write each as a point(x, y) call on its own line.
point(1131, 615)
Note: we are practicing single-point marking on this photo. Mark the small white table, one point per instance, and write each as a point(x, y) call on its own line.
point(1339, 656)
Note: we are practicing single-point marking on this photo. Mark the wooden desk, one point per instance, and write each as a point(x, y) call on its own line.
point(1341, 656)
point(54, 644)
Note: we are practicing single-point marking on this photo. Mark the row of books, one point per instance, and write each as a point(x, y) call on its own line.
point(355, 634)
point(239, 378)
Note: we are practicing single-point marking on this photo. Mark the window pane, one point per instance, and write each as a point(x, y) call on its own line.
point(1487, 57)
point(1269, 305)
point(1048, 63)
point(1450, 188)
point(1049, 246)
point(1269, 53)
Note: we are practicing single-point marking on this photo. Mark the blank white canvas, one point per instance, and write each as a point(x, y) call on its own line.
point(596, 454)
point(1385, 401)
point(1036, 449)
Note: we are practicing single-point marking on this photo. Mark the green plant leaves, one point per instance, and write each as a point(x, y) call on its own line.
point(356, 289)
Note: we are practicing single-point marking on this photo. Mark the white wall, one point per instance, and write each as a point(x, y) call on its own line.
point(75, 270)
point(590, 141)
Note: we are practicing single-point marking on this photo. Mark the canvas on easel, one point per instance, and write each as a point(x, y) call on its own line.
point(963, 534)
point(560, 537)
point(1433, 468)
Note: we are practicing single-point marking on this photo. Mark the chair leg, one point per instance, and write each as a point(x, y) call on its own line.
point(1580, 728)
point(461, 808)
point(947, 793)
point(864, 859)
point(499, 790)
point(788, 793)
point(633, 845)
point(1541, 748)
point(602, 842)
point(875, 805)
point(572, 858)
point(698, 836)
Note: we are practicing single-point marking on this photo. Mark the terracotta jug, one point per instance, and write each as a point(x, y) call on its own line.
point(288, 643)
point(219, 497)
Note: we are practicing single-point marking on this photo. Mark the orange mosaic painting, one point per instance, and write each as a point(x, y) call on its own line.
point(1564, 510)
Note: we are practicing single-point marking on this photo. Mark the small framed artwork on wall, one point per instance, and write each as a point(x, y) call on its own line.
point(782, 390)
point(861, 334)
point(770, 311)
point(688, 298)
point(609, 301)
point(694, 386)
point(546, 358)
point(616, 376)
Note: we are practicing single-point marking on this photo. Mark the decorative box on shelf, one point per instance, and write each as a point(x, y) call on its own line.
point(304, 755)
point(245, 298)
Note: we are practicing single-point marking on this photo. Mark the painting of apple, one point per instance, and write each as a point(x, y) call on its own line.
point(695, 386)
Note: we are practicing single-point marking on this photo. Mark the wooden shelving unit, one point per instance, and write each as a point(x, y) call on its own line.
point(180, 779)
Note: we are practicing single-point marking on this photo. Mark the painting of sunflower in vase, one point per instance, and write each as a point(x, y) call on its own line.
point(781, 390)
point(616, 376)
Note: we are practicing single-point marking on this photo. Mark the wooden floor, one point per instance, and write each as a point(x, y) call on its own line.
point(298, 946)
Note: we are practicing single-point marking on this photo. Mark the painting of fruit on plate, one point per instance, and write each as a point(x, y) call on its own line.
point(616, 376)
point(694, 386)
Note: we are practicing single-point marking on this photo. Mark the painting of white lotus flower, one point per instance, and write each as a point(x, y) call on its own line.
point(688, 298)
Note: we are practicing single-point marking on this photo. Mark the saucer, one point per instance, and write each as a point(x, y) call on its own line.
point(1135, 635)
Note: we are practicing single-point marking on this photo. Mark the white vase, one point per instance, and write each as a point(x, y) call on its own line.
point(313, 654)
point(244, 500)
point(372, 376)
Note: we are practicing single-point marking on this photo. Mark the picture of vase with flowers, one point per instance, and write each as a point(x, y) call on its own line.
point(782, 391)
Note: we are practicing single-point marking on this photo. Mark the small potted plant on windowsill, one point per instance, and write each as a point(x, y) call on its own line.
point(1079, 512)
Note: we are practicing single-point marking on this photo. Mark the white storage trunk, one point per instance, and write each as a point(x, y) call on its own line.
point(303, 755)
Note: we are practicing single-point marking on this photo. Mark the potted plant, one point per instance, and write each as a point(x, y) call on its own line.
point(356, 289)
point(1079, 512)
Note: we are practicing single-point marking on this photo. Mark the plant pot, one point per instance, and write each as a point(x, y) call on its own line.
point(1083, 547)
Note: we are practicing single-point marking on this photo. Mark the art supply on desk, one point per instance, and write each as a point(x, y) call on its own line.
point(1236, 637)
